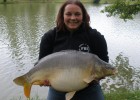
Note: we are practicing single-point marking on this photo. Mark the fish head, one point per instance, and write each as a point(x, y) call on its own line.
point(103, 69)
point(109, 70)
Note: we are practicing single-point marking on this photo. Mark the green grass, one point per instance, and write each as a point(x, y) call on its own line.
point(113, 1)
point(107, 1)
point(91, 1)
point(123, 95)
point(32, 98)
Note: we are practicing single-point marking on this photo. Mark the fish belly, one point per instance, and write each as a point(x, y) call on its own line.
point(69, 80)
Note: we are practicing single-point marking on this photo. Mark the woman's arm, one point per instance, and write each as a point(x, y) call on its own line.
point(46, 44)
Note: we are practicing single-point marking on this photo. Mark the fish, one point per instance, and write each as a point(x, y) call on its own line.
point(66, 71)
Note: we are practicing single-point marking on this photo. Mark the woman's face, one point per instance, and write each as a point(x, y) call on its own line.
point(73, 16)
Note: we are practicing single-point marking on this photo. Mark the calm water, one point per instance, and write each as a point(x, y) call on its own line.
point(22, 25)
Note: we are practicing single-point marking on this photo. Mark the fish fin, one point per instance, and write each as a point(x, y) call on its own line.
point(38, 82)
point(20, 80)
point(69, 95)
point(42, 83)
point(89, 79)
point(27, 89)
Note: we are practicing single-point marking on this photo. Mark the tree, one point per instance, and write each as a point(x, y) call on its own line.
point(125, 10)
point(96, 1)
point(4, 1)
point(127, 78)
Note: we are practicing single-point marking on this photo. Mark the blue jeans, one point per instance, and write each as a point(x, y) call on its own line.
point(92, 92)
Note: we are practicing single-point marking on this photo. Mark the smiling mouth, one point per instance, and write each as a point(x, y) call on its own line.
point(73, 23)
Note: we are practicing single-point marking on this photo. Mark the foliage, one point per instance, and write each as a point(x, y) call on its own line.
point(96, 1)
point(128, 78)
point(125, 10)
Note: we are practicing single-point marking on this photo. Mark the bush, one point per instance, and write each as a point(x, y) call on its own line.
point(126, 79)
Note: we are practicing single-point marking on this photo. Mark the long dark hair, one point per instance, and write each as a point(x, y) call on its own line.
point(60, 17)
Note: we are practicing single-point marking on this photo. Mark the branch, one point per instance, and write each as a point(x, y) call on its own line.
point(124, 10)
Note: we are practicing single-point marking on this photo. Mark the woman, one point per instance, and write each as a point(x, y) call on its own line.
point(74, 32)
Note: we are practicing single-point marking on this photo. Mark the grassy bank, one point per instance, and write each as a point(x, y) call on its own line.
point(85, 1)
point(39, 1)
point(123, 95)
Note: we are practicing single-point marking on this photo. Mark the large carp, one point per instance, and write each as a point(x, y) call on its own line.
point(66, 71)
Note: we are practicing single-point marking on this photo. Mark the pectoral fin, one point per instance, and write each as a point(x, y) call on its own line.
point(42, 83)
point(70, 95)
point(27, 89)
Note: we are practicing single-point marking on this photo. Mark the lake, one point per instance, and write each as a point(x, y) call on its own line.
point(21, 28)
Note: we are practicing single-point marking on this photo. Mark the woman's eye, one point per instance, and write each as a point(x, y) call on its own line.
point(68, 14)
point(77, 14)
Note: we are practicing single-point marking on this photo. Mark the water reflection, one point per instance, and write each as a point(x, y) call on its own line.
point(21, 28)
point(22, 25)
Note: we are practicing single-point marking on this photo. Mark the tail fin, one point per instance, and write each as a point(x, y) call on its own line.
point(27, 89)
point(20, 80)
